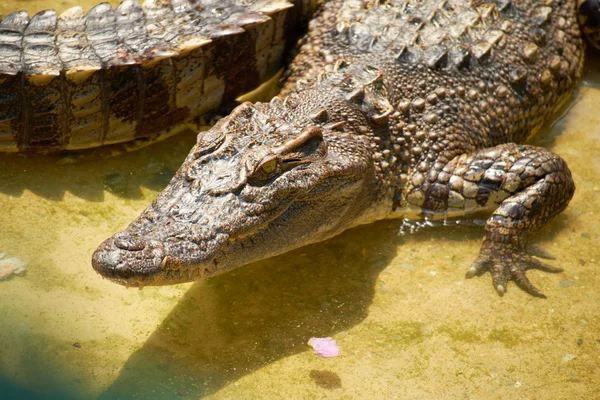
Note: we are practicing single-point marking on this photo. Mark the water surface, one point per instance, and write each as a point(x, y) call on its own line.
point(407, 321)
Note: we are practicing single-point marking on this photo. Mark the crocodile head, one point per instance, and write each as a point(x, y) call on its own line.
point(252, 187)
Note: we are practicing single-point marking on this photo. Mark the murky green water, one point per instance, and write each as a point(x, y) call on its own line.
point(408, 323)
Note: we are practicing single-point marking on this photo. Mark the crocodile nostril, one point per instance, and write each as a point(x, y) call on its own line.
point(125, 241)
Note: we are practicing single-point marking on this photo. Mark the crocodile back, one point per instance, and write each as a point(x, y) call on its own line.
point(478, 73)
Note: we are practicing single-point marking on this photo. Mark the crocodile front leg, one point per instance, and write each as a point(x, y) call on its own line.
point(526, 186)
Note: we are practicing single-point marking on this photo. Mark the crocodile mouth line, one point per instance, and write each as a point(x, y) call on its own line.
point(172, 268)
point(178, 275)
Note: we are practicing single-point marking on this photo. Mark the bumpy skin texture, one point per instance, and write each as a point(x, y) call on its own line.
point(391, 109)
point(133, 73)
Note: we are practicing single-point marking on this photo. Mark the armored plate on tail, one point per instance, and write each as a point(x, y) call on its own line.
point(138, 71)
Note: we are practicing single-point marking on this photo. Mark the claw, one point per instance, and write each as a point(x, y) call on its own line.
point(518, 274)
point(523, 282)
point(499, 278)
point(478, 268)
point(501, 290)
point(508, 262)
point(471, 272)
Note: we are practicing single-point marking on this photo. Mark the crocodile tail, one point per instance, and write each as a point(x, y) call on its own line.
point(589, 19)
point(112, 75)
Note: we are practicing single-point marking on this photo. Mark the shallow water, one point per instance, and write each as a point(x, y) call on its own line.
point(408, 323)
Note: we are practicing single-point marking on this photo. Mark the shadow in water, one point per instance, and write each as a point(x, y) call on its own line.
point(236, 323)
point(11, 391)
point(87, 174)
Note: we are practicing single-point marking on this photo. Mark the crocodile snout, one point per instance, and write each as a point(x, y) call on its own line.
point(129, 259)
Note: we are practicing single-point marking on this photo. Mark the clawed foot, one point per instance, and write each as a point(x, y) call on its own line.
point(507, 262)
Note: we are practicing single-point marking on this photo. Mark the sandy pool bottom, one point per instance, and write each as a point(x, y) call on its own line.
point(408, 323)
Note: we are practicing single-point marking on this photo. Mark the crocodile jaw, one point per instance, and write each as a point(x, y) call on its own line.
point(162, 253)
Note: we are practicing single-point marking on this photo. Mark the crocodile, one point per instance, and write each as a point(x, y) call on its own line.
point(389, 109)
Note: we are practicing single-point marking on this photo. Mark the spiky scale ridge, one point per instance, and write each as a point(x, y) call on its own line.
point(84, 80)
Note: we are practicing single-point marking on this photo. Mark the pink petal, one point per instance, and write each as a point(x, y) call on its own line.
point(324, 347)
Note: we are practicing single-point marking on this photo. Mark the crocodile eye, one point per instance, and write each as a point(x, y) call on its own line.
point(269, 166)
point(265, 170)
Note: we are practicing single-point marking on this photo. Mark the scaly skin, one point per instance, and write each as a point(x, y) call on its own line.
point(391, 109)
point(135, 73)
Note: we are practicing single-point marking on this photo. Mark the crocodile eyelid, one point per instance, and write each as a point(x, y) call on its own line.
point(303, 137)
point(259, 174)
